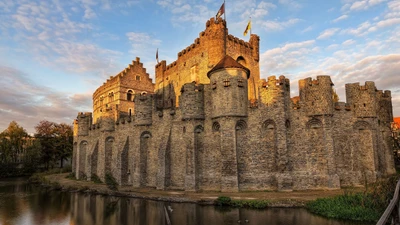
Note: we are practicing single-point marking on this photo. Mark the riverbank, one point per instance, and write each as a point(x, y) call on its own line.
point(275, 199)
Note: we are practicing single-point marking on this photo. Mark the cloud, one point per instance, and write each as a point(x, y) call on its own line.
point(348, 42)
point(287, 57)
point(291, 4)
point(340, 18)
point(46, 31)
point(307, 29)
point(328, 33)
point(360, 5)
point(273, 25)
point(27, 102)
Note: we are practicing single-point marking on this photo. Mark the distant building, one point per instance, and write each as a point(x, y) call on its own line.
point(210, 123)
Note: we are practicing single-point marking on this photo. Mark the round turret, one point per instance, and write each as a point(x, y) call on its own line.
point(229, 96)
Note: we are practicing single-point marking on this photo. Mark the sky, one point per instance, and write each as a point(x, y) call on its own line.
point(55, 53)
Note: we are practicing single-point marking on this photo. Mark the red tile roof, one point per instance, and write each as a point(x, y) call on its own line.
point(228, 62)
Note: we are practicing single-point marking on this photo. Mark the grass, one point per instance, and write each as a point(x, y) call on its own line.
point(350, 206)
point(365, 206)
point(252, 204)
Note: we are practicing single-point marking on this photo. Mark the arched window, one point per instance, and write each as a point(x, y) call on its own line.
point(110, 96)
point(241, 60)
point(129, 95)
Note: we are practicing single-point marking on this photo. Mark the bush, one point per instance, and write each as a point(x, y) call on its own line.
point(66, 169)
point(95, 179)
point(37, 178)
point(71, 176)
point(111, 182)
point(253, 204)
point(366, 206)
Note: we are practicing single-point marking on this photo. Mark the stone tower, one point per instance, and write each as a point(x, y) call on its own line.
point(229, 88)
point(229, 102)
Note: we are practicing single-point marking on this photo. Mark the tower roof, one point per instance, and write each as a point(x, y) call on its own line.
point(228, 62)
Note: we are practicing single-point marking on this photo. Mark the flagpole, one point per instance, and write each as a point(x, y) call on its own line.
point(226, 25)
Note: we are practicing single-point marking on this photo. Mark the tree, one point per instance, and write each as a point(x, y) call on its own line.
point(12, 142)
point(45, 133)
point(55, 140)
point(64, 134)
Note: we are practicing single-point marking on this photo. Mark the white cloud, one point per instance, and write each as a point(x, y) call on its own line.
point(340, 18)
point(307, 29)
point(328, 33)
point(360, 5)
point(287, 57)
point(271, 25)
point(348, 42)
point(291, 4)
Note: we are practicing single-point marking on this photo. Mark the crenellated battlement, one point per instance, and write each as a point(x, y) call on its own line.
point(143, 109)
point(316, 95)
point(272, 83)
point(192, 101)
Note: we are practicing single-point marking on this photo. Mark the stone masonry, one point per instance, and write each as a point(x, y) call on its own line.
point(210, 123)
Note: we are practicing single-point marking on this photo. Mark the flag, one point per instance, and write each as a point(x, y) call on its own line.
point(248, 27)
point(220, 11)
point(157, 56)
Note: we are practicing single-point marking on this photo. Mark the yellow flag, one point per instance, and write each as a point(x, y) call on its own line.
point(248, 27)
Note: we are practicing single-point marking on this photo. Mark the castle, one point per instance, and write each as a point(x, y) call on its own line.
point(210, 123)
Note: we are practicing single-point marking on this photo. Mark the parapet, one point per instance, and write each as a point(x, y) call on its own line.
point(192, 101)
point(316, 95)
point(82, 123)
point(143, 109)
point(272, 83)
point(322, 80)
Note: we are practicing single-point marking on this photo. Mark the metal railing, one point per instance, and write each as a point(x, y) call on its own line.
point(392, 212)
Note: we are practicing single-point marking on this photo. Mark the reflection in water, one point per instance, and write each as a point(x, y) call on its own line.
point(21, 203)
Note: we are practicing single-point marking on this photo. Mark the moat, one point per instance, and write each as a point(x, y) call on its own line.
point(22, 203)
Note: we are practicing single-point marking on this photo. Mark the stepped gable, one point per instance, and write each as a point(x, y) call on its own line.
point(228, 62)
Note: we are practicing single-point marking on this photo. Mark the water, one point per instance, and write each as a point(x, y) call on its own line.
point(21, 203)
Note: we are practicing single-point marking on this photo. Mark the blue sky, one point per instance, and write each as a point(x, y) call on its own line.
point(55, 53)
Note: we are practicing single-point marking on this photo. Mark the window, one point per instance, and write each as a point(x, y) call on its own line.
point(227, 82)
point(214, 85)
point(130, 112)
point(193, 74)
point(129, 95)
point(240, 83)
point(137, 77)
point(110, 96)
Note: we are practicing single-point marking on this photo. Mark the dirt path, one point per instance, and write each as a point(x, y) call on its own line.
point(278, 199)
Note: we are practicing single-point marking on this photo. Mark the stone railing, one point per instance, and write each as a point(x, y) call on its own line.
point(392, 212)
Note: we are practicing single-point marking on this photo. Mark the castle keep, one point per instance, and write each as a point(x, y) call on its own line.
point(210, 123)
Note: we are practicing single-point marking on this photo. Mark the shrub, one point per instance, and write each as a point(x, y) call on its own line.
point(111, 182)
point(253, 204)
point(66, 169)
point(71, 176)
point(95, 179)
point(366, 206)
point(37, 178)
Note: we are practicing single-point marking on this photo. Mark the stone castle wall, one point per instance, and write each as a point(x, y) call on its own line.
point(278, 145)
point(213, 126)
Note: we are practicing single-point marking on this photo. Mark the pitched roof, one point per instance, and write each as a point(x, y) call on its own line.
point(396, 120)
point(228, 62)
